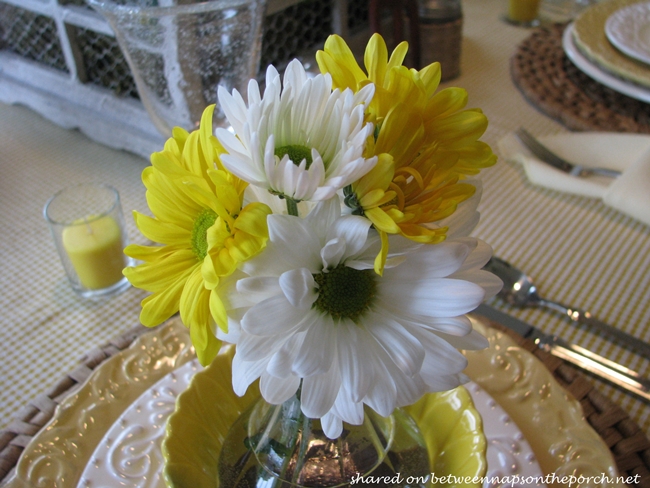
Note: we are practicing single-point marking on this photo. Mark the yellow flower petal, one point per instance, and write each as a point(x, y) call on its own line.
point(218, 311)
point(157, 231)
point(432, 138)
point(382, 221)
point(380, 260)
point(158, 307)
point(196, 205)
point(252, 220)
point(194, 303)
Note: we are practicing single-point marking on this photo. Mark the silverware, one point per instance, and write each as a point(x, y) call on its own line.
point(519, 290)
point(599, 366)
point(549, 157)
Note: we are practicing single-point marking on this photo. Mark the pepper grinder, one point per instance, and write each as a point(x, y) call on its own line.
point(441, 33)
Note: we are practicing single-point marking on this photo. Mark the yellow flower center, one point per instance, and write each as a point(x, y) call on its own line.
point(296, 153)
point(345, 292)
point(202, 223)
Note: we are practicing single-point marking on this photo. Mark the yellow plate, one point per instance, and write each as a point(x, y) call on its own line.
point(205, 411)
point(590, 38)
point(551, 422)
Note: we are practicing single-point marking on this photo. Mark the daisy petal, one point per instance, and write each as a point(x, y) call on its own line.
point(318, 347)
point(299, 288)
point(404, 349)
point(356, 366)
point(319, 393)
point(332, 426)
point(278, 390)
point(272, 316)
point(244, 373)
point(353, 230)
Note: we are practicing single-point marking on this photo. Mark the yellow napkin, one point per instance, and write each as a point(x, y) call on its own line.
point(628, 153)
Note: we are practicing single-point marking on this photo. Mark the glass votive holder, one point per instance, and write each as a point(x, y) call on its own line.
point(523, 13)
point(87, 224)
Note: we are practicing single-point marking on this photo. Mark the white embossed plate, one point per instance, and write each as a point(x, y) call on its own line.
point(129, 454)
point(87, 444)
point(601, 76)
point(628, 29)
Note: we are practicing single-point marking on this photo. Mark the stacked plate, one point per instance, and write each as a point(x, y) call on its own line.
point(610, 42)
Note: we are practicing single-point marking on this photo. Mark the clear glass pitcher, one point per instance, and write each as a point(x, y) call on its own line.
point(180, 51)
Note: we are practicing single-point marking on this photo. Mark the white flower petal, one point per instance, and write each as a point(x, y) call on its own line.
point(440, 297)
point(281, 362)
point(456, 326)
point(232, 108)
point(319, 392)
point(332, 253)
point(299, 288)
point(474, 341)
point(318, 348)
point(259, 288)
point(272, 316)
point(294, 74)
point(353, 229)
point(490, 283)
point(466, 217)
point(278, 390)
point(403, 349)
point(439, 353)
point(436, 261)
point(323, 216)
point(480, 255)
point(436, 382)
point(254, 348)
point(332, 426)
point(295, 241)
point(347, 409)
point(355, 365)
point(383, 393)
point(244, 373)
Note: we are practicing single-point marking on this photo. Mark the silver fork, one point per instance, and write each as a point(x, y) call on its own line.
point(548, 156)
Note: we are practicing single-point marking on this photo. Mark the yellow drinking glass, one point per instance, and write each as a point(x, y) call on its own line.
point(522, 12)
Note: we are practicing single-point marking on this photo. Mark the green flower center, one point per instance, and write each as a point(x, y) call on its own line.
point(202, 223)
point(344, 292)
point(295, 152)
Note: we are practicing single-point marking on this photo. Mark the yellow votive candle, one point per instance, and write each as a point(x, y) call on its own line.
point(523, 10)
point(95, 250)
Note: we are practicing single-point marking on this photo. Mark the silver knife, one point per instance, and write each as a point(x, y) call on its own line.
point(602, 367)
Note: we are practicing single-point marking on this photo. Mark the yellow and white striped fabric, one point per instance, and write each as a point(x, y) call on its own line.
point(578, 250)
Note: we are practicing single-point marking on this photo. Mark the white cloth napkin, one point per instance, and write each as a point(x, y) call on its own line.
point(629, 153)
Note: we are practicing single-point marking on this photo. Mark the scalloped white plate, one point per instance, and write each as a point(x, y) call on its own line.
point(601, 76)
point(108, 433)
point(628, 29)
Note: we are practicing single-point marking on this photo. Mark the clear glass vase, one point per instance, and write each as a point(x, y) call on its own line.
point(180, 51)
point(276, 446)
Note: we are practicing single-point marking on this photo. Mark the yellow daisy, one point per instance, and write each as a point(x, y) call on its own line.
point(428, 140)
point(202, 231)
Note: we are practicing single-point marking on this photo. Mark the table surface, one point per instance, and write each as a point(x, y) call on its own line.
point(578, 250)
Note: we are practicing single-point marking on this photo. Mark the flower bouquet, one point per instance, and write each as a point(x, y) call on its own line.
point(325, 236)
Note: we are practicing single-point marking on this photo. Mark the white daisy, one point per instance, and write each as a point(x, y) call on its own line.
point(322, 317)
point(301, 141)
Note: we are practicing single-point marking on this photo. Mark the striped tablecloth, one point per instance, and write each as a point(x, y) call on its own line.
point(577, 249)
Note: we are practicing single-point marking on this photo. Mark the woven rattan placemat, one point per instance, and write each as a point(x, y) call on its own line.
point(628, 443)
point(552, 83)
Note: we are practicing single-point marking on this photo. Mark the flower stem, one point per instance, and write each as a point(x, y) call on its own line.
point(292, 206)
